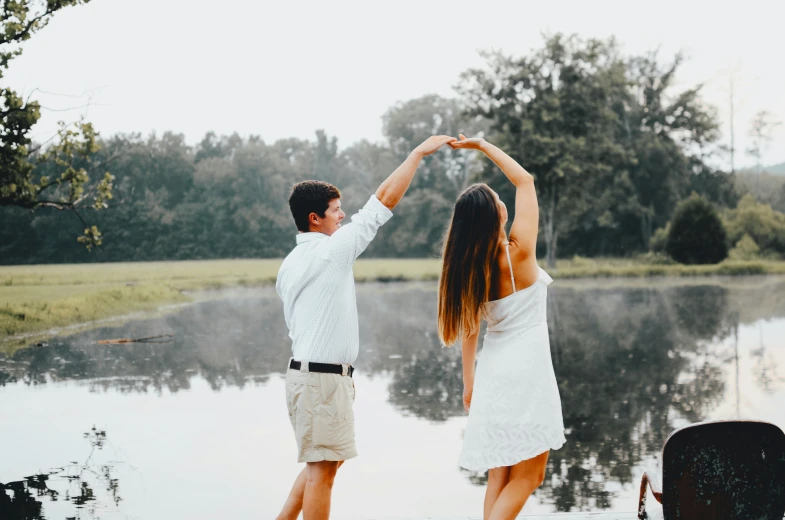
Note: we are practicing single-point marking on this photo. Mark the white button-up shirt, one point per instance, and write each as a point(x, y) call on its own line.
point(316, 284)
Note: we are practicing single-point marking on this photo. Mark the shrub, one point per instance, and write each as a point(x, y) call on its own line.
point(760, 222)
point(659, 239)
point(696, 234)
point(745, 249)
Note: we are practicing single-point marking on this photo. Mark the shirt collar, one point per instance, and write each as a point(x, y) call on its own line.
point(311, 235)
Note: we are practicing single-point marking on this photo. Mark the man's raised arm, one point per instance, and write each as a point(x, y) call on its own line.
point(348, 242)
point(391, 191)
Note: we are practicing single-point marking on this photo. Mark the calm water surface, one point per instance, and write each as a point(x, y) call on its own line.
point(197, 427)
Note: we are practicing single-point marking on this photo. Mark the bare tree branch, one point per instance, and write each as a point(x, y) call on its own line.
point(80, 217)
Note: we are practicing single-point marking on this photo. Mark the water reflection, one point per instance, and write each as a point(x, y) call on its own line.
point(629, 365)
point(82, 485)
point(632, 363)
point(426, 378)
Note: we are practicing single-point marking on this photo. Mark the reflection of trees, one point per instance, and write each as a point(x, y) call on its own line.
point(699, 310)
point(5, 377)
point(21, 504)
point(765, 370)
point(628, 364)
point(758, 298)
point(426, 379)
point(438, 395)
point(19, 500)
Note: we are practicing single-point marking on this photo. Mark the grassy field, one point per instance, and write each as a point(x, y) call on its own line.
point(635, 268)
point(42, 297)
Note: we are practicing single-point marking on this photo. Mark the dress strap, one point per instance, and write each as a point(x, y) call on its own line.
point(509, 262)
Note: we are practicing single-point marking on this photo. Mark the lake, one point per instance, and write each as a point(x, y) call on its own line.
point(195, 426)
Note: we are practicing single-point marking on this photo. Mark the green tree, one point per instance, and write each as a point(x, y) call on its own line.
point(696, 234)
point(213, 146)
point(421, 217)
point(764, 225)
point(367, 165)
point(67, 164)
point(409, 123)
point(669, 134)
point(551, 112)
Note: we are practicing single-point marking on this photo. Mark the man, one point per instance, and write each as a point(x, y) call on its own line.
point(316, 284)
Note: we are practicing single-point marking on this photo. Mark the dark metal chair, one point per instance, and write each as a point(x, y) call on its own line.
point(720, 470)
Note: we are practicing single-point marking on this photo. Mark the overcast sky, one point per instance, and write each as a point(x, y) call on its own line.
point(284, 69)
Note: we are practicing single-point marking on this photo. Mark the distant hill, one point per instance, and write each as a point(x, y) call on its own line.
point(777, 169)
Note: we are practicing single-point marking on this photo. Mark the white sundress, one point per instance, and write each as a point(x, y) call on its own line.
point(515, 412)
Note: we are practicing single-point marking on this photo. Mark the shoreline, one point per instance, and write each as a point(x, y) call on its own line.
point(35, 299)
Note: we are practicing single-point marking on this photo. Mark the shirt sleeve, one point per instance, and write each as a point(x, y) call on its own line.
point(349, 241)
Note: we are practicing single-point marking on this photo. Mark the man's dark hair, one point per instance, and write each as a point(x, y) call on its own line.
point(310, 197)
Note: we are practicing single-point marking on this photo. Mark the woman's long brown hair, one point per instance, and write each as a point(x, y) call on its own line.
point(468, 262)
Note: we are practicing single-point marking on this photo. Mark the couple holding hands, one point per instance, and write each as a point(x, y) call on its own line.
point(511, 396)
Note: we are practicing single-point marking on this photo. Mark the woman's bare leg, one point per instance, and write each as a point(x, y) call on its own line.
point(525, 477)
point(497, 479)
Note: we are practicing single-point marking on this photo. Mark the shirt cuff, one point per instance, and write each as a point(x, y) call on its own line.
point(383, 213)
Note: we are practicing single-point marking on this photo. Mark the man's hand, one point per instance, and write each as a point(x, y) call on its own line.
point(432, 144)
point(467, 397)
point(474, 143)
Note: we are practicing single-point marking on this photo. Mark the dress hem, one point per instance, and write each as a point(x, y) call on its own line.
point(513, 459)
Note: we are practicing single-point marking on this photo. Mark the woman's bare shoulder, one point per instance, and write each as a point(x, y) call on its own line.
point(524, 265)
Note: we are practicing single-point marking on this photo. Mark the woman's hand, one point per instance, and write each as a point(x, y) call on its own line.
point(473, 143)
point(467, 397)
point(432, 144)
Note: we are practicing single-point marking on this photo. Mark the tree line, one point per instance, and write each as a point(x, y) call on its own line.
point(613, 143)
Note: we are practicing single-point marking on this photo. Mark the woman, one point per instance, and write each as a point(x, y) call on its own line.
point(514, 408)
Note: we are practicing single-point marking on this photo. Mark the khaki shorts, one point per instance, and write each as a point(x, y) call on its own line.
point(320, 409)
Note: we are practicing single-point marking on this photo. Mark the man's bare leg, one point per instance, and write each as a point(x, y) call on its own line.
point(318, 489)
point(294, 503)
